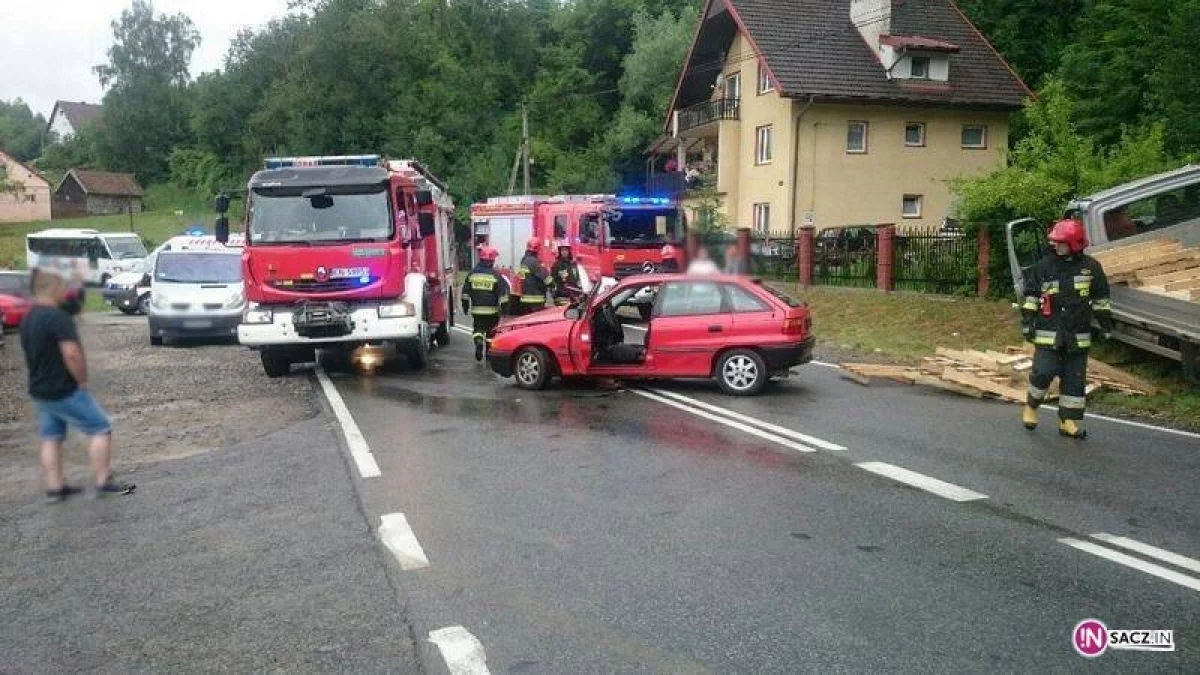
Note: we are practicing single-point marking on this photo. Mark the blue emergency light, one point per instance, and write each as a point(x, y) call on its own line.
point(195, 232)
point(663, 201)
point(328, 160)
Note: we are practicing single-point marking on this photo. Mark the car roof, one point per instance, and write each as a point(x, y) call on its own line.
point(684, 276)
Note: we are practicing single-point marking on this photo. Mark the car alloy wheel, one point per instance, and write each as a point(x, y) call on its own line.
point(740, 372)
point(529, 369)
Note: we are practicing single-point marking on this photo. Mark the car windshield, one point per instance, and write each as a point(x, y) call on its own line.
point(198, 268)
point(635, 228)
point(124, 248)
point(14, 284)
point(344, 214)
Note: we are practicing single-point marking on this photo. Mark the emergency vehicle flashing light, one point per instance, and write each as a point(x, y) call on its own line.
point(329, 160)
point(646, 200)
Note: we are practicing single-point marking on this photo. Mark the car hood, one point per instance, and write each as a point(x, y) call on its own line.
point(548, 315)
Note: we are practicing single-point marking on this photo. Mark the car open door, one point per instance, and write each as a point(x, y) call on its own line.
point(579, 339)
point(1027, 245)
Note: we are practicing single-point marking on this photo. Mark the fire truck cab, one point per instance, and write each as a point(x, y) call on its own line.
point(346, 252)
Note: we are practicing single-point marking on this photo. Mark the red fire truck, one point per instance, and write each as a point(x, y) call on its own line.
point(346, 252)
point(612, 237)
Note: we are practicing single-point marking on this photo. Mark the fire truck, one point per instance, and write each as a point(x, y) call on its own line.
point(351, 253)
point(612, 237)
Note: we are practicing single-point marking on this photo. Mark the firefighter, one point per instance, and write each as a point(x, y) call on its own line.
point(534, 277)
point(1063, 293)
point(483, 294)
point(565, 273)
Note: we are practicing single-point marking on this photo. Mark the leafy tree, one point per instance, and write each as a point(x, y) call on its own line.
point(20, 130)
point(1031, 34)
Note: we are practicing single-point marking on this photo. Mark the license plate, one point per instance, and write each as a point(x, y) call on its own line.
point(197, 324)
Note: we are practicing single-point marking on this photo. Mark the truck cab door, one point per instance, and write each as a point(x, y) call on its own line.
point(1027, 244)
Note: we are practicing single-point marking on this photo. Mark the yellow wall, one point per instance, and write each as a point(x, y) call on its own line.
point(837, 187)
point(29, 202)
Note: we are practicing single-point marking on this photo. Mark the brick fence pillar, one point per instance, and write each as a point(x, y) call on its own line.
point(743, 250)
point(984, 262)
point(885, 274)
point(804, 251)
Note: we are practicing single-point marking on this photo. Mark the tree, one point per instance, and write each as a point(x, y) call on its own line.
point(145, 109)
point(20, 130)
point(1031, 34)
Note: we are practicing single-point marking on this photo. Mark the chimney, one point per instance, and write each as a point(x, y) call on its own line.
point(872, 18)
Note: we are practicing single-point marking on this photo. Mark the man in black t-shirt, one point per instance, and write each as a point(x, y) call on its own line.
point(58, 386)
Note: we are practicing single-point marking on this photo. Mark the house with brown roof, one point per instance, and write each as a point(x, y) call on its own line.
point(68, 117)
point(839, 112)
point(24, 194)
point(97, 193)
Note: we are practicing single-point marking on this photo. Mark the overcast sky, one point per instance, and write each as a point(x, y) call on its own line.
point(48, 47)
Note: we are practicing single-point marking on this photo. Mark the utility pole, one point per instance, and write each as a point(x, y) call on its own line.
point(525, 143)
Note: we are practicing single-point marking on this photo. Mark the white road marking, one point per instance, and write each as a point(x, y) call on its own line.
point(727, 422)
point(782, 431)
point(1135, 563)
point(360, 452)
point(1152, 551)
point(1131, 423)
point(823, 364)
point(400, 540)
point(919, 480)
point(462, 651)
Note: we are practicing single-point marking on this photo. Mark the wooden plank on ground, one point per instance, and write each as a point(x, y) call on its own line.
point(1102, 369)
point(983, 384)
point(931, 381)
point(854, 377)
point(973, 357)
point(1184, 284)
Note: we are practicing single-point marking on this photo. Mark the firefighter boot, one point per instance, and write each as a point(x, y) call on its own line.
point(478, 347)
point(1029, 417)
point(1071, 429)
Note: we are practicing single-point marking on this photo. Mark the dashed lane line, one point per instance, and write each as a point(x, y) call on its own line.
point(462, 651)
point(774, 428)
point(360, 452)
point(1181, 561)
point(400, 540)
point(774, 438)
point(919, 480)
point(1134, 563)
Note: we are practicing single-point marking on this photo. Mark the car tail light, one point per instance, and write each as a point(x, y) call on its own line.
point(797, 325)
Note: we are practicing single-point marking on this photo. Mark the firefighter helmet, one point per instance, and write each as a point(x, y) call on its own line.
point(488, 254)
point(533, 244)
point(668, 252)
point(1070, 232)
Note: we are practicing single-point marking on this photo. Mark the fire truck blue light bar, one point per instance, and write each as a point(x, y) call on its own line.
point(328, 160)
point(646, 200)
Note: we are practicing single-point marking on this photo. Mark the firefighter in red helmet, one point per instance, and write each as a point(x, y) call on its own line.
point(534, 277)
point(565, 273)
point(483, 294)
point(1064, 292)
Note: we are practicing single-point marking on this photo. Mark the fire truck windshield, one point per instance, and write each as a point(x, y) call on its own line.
point(320, 215)
point(637, 228)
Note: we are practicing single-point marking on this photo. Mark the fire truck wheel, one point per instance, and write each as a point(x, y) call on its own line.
point(531, 367)
point(275, 364)
point(418, 352)
point(442, 336)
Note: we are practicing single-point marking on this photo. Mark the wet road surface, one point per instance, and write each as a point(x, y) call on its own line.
point(647, 529)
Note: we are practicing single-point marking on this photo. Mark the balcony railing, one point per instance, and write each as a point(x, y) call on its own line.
point(709, 111)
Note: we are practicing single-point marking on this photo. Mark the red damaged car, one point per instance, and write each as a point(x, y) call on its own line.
point(732, 329)
point(14, 298)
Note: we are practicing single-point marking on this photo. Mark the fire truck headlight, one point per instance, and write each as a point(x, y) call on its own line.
point(257, 315)
point(397, 310)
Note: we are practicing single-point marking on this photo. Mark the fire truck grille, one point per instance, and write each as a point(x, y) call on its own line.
point(314, 286)
point(622, 270)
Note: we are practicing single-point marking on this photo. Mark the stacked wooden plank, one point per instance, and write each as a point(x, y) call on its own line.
point(1003, 375)
point(1160, 266)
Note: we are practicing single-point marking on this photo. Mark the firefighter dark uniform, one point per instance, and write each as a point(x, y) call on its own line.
point(1063, 294)
point(535, 281)
point(483, 294)
point(565, 273)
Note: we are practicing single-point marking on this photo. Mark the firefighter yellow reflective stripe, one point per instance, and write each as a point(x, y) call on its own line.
point(1037, 394)
point(1102, 305)
point(1044, 337)
point(1072, 402)
point(533, 299)
point(1083, 339)
point(484, 311)
point(1049, 287)
point(1031, 303)
point(1083, 284)
point(482, 282)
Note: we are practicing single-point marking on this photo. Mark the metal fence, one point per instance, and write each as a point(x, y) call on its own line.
point(773, 255)
point(936, 261)
point(845, 257)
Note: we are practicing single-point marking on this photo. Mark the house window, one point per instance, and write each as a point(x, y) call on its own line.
point(912, 206)
point(914, 134)
point(856, 137)
point(764, 79)
point(974, 136)
point(762, 145)
point(733, 86)
point(32, 199)
point(762, 218)
point(919, 70)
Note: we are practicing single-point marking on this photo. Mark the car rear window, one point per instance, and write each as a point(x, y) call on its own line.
point(787, 299)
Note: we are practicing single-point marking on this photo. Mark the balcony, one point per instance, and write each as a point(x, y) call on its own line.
point(699, 119)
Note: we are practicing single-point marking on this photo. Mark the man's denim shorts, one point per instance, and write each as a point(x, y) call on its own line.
point(78, 410)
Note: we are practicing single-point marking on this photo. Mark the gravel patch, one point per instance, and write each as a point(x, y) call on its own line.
point(165, 402)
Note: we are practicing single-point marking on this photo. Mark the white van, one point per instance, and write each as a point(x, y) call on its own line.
point(105, 253)
point(196, 289)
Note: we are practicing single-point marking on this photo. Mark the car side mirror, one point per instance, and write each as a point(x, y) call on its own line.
point(573, 313)
point(424, 198)
point(221, 229)
point(222, 203)
point(426, 224)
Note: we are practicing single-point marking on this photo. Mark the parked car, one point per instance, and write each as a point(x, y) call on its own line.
point(735, 330)
point(14, 297)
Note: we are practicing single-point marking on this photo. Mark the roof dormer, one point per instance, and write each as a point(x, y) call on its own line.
point(912, 57)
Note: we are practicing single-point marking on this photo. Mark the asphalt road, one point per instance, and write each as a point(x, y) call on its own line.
point(586, 530)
